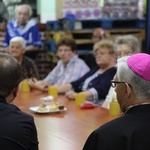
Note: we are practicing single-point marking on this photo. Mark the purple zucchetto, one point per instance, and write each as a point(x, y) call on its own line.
point(140, 65)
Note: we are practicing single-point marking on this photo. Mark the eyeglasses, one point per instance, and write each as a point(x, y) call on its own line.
point(114, 83)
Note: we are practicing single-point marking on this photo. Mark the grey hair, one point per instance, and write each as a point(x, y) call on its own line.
point(24, 5)
point(130, 40)
point(140, 86)
point(18, 39)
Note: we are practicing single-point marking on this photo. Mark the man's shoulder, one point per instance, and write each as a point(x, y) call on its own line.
point(13, 111)
point(114, 125)
point(22, 116)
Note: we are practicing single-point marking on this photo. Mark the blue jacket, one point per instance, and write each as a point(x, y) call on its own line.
point(29, 32)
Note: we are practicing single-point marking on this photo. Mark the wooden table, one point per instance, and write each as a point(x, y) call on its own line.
point(62, 131)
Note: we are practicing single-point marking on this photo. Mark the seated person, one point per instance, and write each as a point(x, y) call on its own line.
point(17, 129)
point(16, 49)
point(25, 27)
point(98, 34)
point(96, 83)
point(69, 68)
point(131, 130)
point(124, 45)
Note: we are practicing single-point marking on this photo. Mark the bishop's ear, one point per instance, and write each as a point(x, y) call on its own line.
point(128, 89)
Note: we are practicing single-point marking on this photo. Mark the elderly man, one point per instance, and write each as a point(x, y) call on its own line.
point(25, 27)
point(17, 129)
point(130, 131)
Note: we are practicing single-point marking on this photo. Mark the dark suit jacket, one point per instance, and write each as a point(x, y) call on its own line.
point(129, 132)
point(17, 129)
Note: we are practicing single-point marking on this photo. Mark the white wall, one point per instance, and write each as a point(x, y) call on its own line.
point(49, 9)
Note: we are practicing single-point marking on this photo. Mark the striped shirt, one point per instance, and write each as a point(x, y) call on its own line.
point(74, 70)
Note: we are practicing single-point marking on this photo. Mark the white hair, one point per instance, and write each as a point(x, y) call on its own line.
point(140, 86)
point(24, 5)
point(129, 40)
point(20, 40)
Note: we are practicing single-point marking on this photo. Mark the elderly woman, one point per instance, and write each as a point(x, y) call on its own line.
point(125, 46)
point(96, 83)
point(68, 69)
point(16, 49)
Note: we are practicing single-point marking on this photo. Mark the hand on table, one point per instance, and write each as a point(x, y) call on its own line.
point(71, 95)
point(38, 84)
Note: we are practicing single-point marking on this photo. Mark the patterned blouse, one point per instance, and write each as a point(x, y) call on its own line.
point(29, 68)
point(74, 70)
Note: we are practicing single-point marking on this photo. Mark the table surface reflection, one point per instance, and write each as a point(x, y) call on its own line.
point(66, 131)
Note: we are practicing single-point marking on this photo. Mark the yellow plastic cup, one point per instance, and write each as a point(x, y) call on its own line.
point(52, 90)
point(114, 109)
point(80, 98)
point(25, 87)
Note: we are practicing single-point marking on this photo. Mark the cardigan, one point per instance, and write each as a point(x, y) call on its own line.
point(101, 83)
